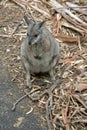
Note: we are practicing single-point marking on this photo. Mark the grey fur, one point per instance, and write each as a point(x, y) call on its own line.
point(39, 50)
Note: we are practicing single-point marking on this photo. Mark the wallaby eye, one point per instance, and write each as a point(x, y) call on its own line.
point(35, 35)
point(28, 35)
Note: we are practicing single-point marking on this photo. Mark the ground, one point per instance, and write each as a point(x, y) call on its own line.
point(60, 106)
point(18, 119)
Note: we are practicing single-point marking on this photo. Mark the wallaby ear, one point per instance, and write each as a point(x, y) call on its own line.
point(27, 20)
point(41, 23)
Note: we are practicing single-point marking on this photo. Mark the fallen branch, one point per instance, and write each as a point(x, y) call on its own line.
point(77, 8)
point(57, 5)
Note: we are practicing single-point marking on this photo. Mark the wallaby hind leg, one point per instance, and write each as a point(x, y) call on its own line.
point(28, 79)
point(51, 73)
point(26, 67)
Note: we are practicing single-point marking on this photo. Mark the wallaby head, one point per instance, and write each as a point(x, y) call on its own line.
point(33, 31)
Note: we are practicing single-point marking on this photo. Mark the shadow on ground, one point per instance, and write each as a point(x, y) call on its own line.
point(11, 120)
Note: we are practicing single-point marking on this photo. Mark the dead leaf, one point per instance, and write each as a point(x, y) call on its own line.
point(81, 86)
point(19, 122)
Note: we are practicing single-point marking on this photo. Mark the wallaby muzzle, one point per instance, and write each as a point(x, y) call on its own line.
point(37, 57)
point(30, 39)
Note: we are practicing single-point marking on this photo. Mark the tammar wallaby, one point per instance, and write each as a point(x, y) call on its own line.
point(39, 50)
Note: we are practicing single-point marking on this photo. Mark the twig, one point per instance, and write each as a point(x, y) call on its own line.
point(85, 113)
point(78, 99)
point(48, 113)
point(47, 91)
point(31, 14)
point(1, 35)
point(21, 98)
point(65, 117)
point(14, 105)
point(16, 27)
point(20, 4)
point(40, 11)
point(68, 25)
point(80, 120)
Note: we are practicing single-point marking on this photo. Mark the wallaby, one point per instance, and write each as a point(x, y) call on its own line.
point(39, 50)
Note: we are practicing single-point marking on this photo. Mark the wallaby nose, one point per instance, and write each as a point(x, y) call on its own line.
point(30, 41)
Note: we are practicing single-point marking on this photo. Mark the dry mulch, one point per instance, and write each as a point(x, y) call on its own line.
point(65, 101)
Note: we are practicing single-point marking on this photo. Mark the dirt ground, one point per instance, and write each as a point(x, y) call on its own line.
point(69, 101)
point(18, 119)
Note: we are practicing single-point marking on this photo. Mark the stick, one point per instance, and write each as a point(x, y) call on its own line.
point(14, 105)
point(48, 113)
point(78, 99)
point(1, 35)
point(20, 4)
point(16, 27)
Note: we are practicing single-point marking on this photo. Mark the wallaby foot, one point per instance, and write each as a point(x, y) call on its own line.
point(29, 85)
point(28, 81)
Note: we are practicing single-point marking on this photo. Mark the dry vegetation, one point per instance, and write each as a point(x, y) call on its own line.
point(65, 101)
